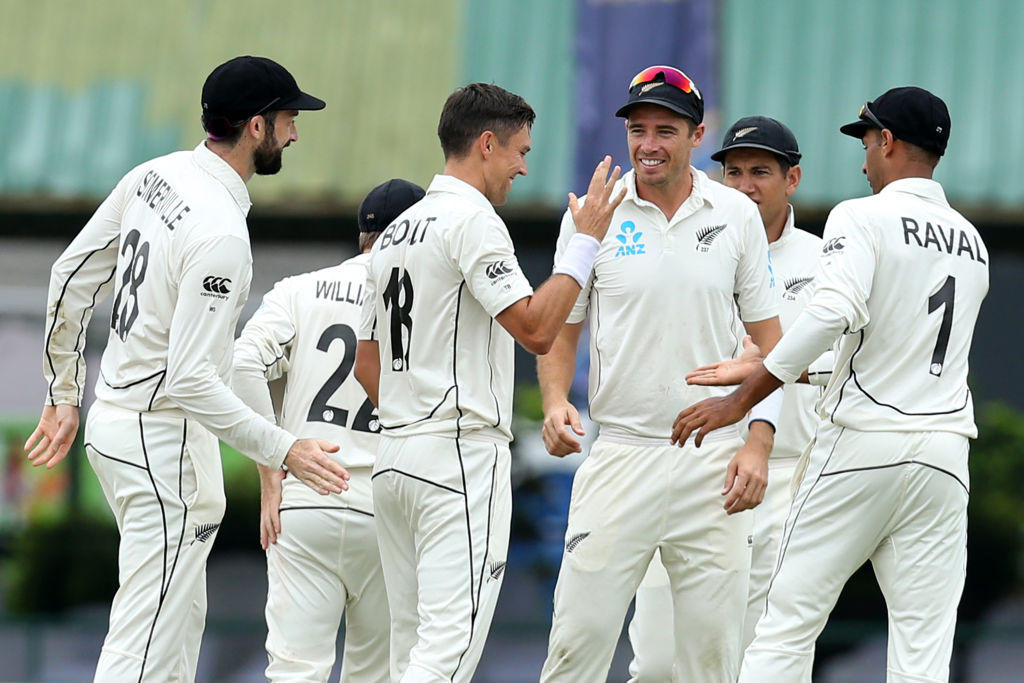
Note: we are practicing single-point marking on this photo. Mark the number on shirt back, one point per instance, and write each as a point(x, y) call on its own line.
point(398, 300)
point(942, 298)
point(126, 303)
point(322, 411)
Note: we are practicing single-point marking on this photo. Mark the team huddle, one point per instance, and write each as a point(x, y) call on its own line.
point(733, 515)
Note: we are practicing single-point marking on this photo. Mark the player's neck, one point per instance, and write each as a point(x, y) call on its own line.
point(668, 196)
point(468, 171)
point(236, 156)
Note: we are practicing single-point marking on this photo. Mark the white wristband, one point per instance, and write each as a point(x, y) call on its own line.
point(578, 258)
point(768, 409)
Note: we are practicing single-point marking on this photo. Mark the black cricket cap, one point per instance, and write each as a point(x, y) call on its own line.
point(912, 114)
point(385, 202)
point(243, 87)
point(761, 132)
point(667, 87)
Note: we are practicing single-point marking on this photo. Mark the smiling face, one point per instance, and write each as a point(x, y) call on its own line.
point(504, 162)
point(660, 145)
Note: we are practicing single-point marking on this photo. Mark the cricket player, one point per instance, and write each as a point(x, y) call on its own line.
point(323, 560)
point(444, 300)
point(901, 279)
point(685, 259)
point(171, 242)
point(760, 157)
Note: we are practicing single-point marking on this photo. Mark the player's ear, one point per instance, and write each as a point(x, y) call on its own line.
point(793, 176)
point(885, 140)
point(486, 143)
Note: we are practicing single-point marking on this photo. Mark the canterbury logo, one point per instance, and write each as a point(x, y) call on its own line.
point(217, 285)
point(205, 531)
point(794, 285)
point(707, 235)
point(496, 568)
point(833, 245)
point(745, 131)
point(575, 540)
point(498, 270)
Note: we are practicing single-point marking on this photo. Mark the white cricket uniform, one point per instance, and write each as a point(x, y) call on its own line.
point(662, 300)
point(794, 258)
point(326, 561)
point(171, 241)
point(438, 275)
point(901, 278)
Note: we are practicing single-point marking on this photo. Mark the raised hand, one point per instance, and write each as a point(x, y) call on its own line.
point(594, 217)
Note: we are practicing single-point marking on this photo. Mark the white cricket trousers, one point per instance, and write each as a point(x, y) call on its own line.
point(326, 562)
point(443, 510)
point(161, 475)
point(627, 501)
point(651, 629)
point(898, 499)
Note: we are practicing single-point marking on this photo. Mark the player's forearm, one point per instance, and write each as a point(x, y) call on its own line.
point(811, 335)
point(80, 278)
point(367, 370)
point(765, 333)
point(535, 321)
point(556, 368)
point(249, 382)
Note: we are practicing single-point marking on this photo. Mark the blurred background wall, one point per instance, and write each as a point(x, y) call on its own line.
point(89, 89)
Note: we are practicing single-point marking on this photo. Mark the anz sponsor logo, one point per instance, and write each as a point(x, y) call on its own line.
point(630, 240)
point(707, 235)
point(216, 286)
point(794, 285)
point(833, 246)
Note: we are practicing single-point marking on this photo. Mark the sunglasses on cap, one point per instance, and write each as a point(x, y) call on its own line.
point(220, 127)
point(669, 74)
point(866, 113)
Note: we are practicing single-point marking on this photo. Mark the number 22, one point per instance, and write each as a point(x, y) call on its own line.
point(320, 410)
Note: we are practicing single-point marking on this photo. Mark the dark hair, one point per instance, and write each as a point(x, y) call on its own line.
point(222, 129)
point(366, 240)
point(479, 107)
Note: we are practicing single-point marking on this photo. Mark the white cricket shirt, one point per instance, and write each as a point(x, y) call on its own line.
point(662, 300)
point(437, 277)
point(306, 329)
point(902, 276)
point(794, 262)
point(172, 245)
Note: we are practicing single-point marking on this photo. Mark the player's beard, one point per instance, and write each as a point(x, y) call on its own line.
point(266, 158)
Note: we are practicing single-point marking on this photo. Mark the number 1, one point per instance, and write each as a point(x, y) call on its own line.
point(943, 297)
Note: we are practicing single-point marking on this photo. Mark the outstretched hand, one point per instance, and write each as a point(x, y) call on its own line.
point(53, 436)
point(729, 372)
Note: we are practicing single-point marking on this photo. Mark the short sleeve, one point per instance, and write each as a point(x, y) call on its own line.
point(755, 282)
point(484, 253)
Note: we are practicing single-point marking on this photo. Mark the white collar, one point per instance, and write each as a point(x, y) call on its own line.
point(449, 183)
point(214, 164)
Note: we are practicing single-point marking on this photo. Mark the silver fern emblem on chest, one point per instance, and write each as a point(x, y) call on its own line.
point(794, 285)
point(707, 235)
